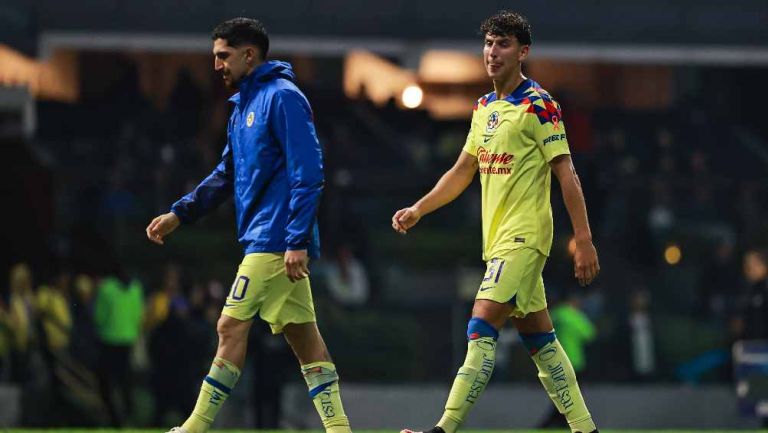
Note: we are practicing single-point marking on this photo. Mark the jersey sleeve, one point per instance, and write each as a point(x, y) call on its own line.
point(549, 129)
point(470, 146)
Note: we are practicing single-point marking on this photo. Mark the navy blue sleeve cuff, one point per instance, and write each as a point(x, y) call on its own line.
point(182, 218)
point(294, 246)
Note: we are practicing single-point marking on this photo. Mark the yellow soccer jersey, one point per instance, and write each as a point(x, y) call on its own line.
point(514, 139)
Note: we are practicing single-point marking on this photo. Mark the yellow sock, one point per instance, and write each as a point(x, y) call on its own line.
point(470, 382)
point(557, 375)
point(323, 383)
point(215, 389)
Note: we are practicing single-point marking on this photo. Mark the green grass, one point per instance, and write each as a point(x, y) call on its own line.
point(64, 430)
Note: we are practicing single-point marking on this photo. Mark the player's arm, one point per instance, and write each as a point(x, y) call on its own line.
point(208, 195)
point(585, 257)
point(291, 122)
point(450, 186)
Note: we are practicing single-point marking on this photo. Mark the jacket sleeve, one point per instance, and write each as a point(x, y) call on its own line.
point(291, 123)
point(211, 192)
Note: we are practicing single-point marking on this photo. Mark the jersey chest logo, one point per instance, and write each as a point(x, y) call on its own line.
point(493, 122)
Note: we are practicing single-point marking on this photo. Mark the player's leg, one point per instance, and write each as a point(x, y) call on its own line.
point(223, 375)
point(490, 312)
point(482, 332)
point(505, 278)
point(307, 343)
point(243, 301)
point(555, 370)
point(297, 319)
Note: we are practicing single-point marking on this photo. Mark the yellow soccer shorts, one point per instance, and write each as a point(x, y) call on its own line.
point(262, 287)
point(515, 278)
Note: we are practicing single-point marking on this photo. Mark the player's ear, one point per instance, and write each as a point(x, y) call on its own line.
point(524, 52)
point(251, 55)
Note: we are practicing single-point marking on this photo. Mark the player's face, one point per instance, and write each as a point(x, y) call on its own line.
point(502, 56)
point(234, 63)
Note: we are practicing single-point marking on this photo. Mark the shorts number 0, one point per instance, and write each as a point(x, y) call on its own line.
point(238, 288)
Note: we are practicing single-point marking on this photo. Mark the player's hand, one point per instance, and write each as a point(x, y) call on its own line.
point(296, 263)
point(405, 218)
point(162, 226)
point(585, 264)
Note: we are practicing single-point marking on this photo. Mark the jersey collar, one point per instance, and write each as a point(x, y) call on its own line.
point(517, 94)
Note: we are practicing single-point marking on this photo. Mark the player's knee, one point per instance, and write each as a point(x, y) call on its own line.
point(479, 328)
point(230, 329)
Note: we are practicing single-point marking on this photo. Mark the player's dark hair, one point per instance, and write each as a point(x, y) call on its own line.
point(239, 31)
point(507, 23)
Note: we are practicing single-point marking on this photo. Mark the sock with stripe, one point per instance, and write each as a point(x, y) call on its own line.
point(473, 376)
point(215, 389)
point(323, 383)
point(559, 380)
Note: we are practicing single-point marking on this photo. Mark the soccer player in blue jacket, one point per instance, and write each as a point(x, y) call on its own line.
point(272, 165)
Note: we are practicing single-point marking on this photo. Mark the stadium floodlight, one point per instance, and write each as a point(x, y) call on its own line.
point(673, 254)
point(412, 96)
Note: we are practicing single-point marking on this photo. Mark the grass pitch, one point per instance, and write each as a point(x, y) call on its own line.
point(64, 430)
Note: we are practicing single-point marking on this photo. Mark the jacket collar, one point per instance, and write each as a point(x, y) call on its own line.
point(264, 73)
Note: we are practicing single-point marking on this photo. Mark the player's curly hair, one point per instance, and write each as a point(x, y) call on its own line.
point(507, 23)
point(239, 31)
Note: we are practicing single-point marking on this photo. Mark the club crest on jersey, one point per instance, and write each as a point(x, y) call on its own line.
point(493, 122)
point(249, 119)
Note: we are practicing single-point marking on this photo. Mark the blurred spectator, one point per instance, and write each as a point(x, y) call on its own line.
point(641, 335)
point(347, 278)
point(271, 361)
point(574, 329)
point(6, 335)
point(53, 311)
point(168, 298)
point(593, 303)
point(167, 319)
point(578, 117)
point(661, 212)
point(752, 320)
point(215, 295)
point(169, 377)
point(19, 320)
point(719, 280)
point(55, 319)
point(185, 107)
point(119, 201)
point(84, 340)
point(117, 314)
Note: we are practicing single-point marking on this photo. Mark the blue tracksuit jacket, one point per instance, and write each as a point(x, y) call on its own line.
point(272, 165)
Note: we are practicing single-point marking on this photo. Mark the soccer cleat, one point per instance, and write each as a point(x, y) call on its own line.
point(434, 429)
point(177, 430)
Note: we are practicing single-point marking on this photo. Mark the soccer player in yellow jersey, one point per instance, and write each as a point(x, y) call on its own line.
point(516, 140)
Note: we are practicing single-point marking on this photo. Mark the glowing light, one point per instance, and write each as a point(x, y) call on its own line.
point(412, 96)
point(673, 254)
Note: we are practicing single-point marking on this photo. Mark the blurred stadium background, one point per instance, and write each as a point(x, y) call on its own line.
point(110, 110)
